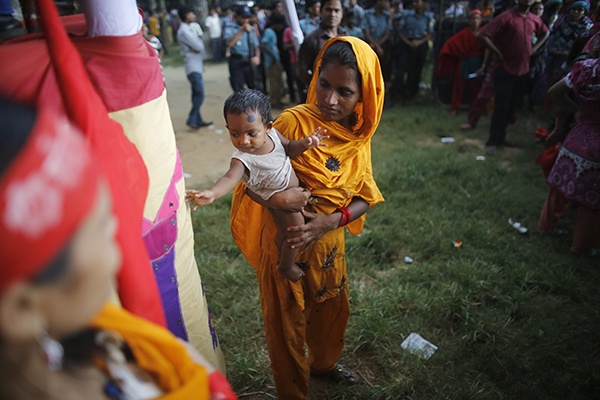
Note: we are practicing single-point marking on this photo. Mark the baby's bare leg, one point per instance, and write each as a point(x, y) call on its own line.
point(287, 256)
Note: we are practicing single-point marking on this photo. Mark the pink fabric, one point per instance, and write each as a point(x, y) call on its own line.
point(585, 80)
point(288, 39)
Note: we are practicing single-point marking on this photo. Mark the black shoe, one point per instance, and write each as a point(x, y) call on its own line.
point(204, 124)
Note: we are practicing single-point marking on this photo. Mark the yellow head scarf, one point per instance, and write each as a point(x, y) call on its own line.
point(335, 173)
point(373, 86)
point(341, 170)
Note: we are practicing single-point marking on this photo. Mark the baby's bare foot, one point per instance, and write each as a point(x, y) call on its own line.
point(293, 273)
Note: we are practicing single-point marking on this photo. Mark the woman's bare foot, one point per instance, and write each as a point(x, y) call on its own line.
point(293, 272)
point(466, 127)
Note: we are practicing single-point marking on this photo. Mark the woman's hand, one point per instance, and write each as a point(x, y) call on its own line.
point(316, 226)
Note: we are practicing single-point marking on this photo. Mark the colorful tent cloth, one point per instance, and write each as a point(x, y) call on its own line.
point(142, 111)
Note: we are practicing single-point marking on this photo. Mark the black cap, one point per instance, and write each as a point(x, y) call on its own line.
point(243, 11)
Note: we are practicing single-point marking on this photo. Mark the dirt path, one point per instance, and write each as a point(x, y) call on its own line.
point(205, 152)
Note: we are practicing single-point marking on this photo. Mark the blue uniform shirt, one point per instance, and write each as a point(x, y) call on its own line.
point(307, 25)
point(377, 24)
point(240, 48)
point(414, 27)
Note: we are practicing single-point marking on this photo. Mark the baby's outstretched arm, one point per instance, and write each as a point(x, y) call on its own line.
point(199, 198)
point(297, 147)
point(223, 186)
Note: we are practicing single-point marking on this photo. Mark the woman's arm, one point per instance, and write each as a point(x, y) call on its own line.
point(559, 92)
point(319, 224)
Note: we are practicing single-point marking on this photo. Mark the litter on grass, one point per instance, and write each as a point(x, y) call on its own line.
point(186, 175)
point(480, 158)
point(517, 225)
point(417, 345)
point(408, 260)
point(456, 243)
point(447, 139)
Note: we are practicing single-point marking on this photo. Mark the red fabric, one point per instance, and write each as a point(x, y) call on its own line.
point(547, 159)
point(112, 64)
point(541, 133)
point(220, 388)
point(62, 82)
point(458, 88)
point(462, 45)
point(45, 193)
point(511, 33)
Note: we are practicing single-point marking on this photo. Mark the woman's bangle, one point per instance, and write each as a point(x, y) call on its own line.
point(346, 216)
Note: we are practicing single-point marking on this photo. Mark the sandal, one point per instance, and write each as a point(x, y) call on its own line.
point(339, 374)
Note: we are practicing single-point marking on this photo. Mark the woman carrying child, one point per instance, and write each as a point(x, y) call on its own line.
point(262, 163)
point(346, 99)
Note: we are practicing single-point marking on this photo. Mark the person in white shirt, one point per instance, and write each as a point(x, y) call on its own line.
point(192, 49)
point(213, 24)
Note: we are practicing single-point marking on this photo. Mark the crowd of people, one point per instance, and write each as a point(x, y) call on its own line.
point(257, 42)
point(289, 221)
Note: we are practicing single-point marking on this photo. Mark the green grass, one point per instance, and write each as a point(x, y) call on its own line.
point(514, 316)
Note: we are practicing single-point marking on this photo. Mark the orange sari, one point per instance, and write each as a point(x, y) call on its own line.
point(315, 310)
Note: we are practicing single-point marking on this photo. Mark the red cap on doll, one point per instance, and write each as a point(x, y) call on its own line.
point(44, 194)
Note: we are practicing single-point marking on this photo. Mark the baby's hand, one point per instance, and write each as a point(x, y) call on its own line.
point(199, 198)
point(316, 138)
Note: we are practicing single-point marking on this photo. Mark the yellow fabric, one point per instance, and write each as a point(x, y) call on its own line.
point(154, 26)
point(313, 311)
point(158, 352)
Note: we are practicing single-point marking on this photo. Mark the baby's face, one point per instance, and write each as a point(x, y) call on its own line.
point(248, 133)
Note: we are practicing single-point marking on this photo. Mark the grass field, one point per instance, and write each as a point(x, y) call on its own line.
point(514, 316)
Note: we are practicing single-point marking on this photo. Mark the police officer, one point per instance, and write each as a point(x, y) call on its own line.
point(243, 45)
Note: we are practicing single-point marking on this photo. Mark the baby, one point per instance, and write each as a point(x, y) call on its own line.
point(262, 163)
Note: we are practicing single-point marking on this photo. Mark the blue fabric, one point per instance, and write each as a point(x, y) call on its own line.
point(269, 40)
point(356, 32)
point(240, 48)
point(194, 118)
point(6, 8)
point(414, 27)
point(307, 25)
point(377, 24)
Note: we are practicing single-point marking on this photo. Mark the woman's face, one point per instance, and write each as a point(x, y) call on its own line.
point(576, 13)
point(475, 21)
point(537, 9)
point(72, 301)
point(337, 92)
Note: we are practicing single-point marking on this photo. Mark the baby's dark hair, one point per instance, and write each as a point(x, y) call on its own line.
point(246, 101)
point(341, 53)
